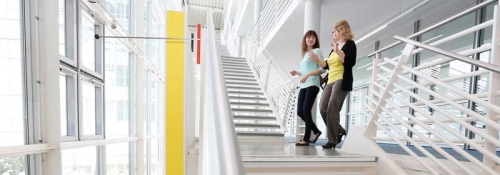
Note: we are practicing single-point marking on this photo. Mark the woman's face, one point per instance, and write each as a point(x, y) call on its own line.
point(336, 35)
point(310, 40)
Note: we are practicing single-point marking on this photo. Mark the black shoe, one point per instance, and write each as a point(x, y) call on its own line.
point(329, 146)
point(302, 144)
point(339, 137)
point(317, 137)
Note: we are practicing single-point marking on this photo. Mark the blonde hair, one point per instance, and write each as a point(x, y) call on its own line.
point(344, 29)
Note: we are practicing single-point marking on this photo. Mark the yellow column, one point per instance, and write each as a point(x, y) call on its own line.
point(175, 94)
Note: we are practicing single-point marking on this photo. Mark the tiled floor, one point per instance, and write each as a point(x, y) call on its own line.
point(286, 151)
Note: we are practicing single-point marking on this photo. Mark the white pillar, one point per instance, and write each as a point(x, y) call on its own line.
point(312, 18)
point(238, 46)
point(256, 10)
point(312, 15)
point(49, 82)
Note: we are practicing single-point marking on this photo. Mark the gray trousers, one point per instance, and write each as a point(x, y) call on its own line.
point(330, 105)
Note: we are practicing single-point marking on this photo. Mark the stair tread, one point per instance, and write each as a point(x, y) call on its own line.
point(242, 82)
point(266, 125)
point(248, 103)
point(226, 56)
point(229, 77)
point(260, 133)
point(245, 92)
point(253, 117)
point(250, 110)
point(246, 98)
point(242, 87)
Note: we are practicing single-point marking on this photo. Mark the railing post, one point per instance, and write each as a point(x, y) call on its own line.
point(494, 85)
point(371, 130)
point(268, 74)
point(287, 104)
point(375, 71)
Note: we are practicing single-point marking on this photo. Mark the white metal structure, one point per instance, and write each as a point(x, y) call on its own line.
point(393, 84)
point(277, 84)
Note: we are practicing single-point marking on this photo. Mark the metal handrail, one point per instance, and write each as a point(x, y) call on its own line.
point(484, 65)
point(219, 150)
point(446, 21)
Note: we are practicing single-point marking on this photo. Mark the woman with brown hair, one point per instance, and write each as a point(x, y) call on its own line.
point(340, 80)
point(309, 87)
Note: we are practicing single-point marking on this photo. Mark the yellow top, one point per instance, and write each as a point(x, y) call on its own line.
point(336, 68)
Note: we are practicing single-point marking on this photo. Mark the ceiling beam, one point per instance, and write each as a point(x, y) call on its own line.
point(199, 7)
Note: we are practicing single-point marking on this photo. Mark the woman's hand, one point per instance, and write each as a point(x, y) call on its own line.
point(304, 78)
point(335, 45)
point(313, 57)
point(293, 72)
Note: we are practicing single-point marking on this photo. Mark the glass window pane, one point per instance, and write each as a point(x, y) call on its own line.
point(13, 165)
point(117, 159)
point(63, 102)
point(154, 107)
point(89, 104)
point(88, 41)
point(154, 167)
point(146, 102)
point(11, 88)
point(120, 10)
point(81, 161)
point(62, 30)
point(117, 90)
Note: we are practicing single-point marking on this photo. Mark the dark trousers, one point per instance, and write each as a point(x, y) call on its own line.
point(330, 105)
point(304, 107)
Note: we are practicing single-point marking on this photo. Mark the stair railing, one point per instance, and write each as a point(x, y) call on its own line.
point(219, 148)
point(438, 110)
point(276, 82)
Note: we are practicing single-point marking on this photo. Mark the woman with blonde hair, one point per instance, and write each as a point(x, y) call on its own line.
point(340, 80)
point(309, 87)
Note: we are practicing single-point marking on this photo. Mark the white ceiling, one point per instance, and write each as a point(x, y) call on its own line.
point(198, 10)
point(285, 46)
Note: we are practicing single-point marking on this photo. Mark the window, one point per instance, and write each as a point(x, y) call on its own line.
point(13, 165)
point(62, 27)
point(117, 159)
point(88, 41)
point(63, 102)
point(117, 89)
point(11, 88)
point(120, 9)
point(80, 161)
point(89, 112)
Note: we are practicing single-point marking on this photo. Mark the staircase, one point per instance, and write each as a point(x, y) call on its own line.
point(252, 114)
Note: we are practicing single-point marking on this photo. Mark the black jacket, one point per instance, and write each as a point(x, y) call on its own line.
point(350, 51)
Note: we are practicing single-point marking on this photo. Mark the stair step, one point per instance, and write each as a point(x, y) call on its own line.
point(259, 133)
point(256, 125)
point(253, 117)
point(245, 110)
point(228, 77)
point(244, 92)
point(234, 64)
point(226, 66)
point(249, 104)
point(238, 71)
point(233, 58)
point(244, 87)
point(239, 75)
point(242, 83)
point(233, 97)
point(236, 68)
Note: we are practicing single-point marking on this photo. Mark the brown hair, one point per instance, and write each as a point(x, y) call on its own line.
point(344, 29)
point(304, 45)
